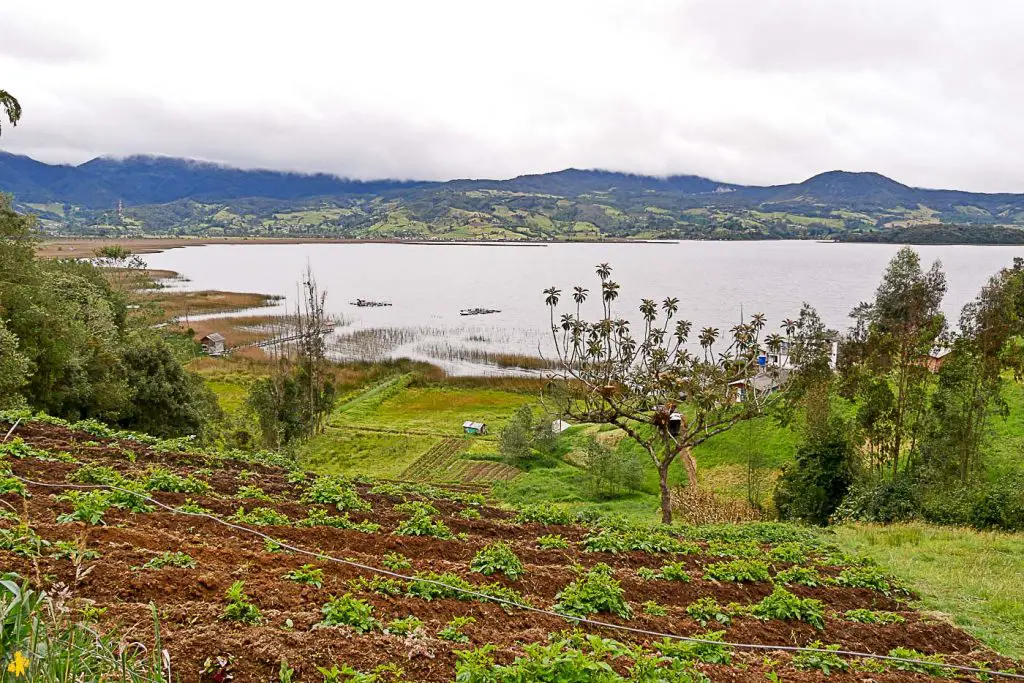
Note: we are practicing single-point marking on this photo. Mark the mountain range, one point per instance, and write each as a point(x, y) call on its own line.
point(163, 195)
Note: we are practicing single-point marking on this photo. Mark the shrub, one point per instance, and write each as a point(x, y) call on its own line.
point(307, 574)
point(239, 608)
point(349, 611)
point(498, 557)
point(782, 604)
point(867, 616)
point(452, 631)
point(737, 571)
point(171, 559)
point(552, 542)
point(816, 483)
point(826, 662)
point(596, 591)
point(883, 501)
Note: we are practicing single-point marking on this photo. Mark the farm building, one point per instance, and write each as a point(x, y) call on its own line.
point(475, 428)
point(559, 426)
point(213, 344)
point(937, 356)
point(762, 384)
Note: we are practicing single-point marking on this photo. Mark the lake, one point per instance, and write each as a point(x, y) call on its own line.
point(428, 285)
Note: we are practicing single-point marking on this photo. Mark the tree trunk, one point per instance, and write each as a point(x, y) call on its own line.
point(666, 494)
point(691, 467)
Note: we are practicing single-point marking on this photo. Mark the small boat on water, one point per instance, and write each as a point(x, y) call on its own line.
point(478, 311)
point(366, 303)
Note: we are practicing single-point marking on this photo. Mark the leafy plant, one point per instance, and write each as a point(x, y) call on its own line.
point(826, 662)
point(259, 516)
point(396, 562)
point(675, 571)
point(793, 553)
point(171, 559)
point(647, 574)
point(193, 507)
point(864, 577)
point(654, 609)
point(544, 513)
point(705, 610)
point(421, 523)
point(738, 571)
point(88, 507)
point(552, 542)
point(96, 474)
point(452, 631)
point(403, 627)
point(8, 484)
point(307, 574)
point(867, 616)
point(252, 492)
point(161, 479)
point(498, 557)
point(22, 540)
point(469, 513)
point(782, 604)
point(707, 652)
point(239, 608)
point(803, 576)
point(596, 591)
point(378, 584)
point(334, 490)
point(349, 611)
point(320, 517)
point(925, 664)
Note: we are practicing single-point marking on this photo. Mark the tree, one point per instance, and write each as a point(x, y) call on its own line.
point(514, 439)
point(811, 488)
point(14, 368)
point(888, 348)
point(11, 106)
point(125, 270)
point(166, 399)
point(663, 396)
point(609, 472)
point(968, 393)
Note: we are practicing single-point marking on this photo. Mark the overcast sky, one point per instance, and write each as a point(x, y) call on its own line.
point(929, 92)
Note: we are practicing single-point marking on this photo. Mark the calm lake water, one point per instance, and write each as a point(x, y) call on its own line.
point(428, 285)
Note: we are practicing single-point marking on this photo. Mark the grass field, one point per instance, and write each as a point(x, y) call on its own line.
point(351, 452)
point(975, 577)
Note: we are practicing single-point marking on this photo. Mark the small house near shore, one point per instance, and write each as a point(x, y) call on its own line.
point(474, 428)
point(213, 344)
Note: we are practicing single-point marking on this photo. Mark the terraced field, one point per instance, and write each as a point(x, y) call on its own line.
point(444, 463)
point(248, 565)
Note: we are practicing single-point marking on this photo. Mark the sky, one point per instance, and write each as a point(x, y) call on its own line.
point(928, 92)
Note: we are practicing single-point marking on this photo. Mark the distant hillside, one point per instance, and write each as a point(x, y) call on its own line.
point(163, 195)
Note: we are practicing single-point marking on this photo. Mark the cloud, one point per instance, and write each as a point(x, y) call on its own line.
point(759, 91)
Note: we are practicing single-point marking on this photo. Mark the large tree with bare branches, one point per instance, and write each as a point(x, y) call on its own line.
point(665, 393)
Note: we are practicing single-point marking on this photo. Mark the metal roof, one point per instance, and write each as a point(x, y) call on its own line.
point(214, 337)
point(469, 424)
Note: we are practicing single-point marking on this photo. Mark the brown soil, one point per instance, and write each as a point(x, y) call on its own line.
point(190, 601)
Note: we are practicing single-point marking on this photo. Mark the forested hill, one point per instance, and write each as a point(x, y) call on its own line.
point(161, 195)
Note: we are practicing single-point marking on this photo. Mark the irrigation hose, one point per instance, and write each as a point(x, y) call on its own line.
point(528, 608)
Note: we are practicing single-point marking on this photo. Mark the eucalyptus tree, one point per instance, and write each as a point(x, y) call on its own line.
point(12, 108)
point(664, 395)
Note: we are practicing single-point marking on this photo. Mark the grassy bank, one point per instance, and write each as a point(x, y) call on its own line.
point(975, 577)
